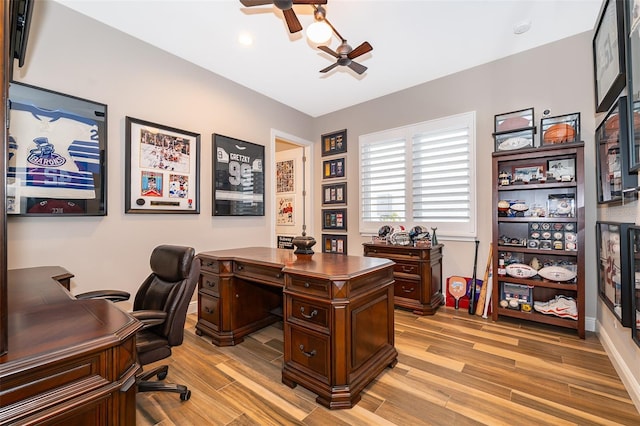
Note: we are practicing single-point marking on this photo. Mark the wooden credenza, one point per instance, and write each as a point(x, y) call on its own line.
point(418, 275)
point(69, 362)
point(337, 314)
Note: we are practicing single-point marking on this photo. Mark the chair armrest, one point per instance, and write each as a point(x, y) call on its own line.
point(149, 318)
point(112, 295)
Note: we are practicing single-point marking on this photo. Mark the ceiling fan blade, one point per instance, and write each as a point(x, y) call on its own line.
point(330, 67)
point(249, 3)
point(357, 67)
point(328, 50)
point(309, 1)
point(360, 50)
point(292, 21)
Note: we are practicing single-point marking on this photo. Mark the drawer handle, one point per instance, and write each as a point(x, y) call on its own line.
point(404, 289)
point(240, 267)
point(210, 283)
point(307, 285)
point(307, 354)
point(208, 310)
point(208, 264)
point(311, 315)
point(407, 269)
point(278, 275)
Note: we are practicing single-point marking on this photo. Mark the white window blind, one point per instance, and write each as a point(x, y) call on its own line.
point(422, 174)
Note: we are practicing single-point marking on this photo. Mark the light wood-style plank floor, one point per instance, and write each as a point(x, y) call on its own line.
point(453, 369)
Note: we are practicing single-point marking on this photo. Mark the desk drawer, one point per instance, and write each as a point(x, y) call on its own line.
point(267, 274)
point(409, 289)
point(410, 268)
point(310, 351)
point(210, 284)
point(210, 265)
point(309, 314)
point(313, 287)
point(209, 308)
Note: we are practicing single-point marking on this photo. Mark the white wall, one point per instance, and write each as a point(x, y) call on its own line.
point(75, 55)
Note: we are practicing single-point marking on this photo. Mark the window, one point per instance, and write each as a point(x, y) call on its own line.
point(422, 174)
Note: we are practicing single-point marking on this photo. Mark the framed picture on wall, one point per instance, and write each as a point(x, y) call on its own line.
point(162, 168)
point(238, 177)
point(334, 219)
point(333, 168)
point(632, 20)
point(634, 237)
point(285, 176)
point(614, 286)
point(57, 154)
point(332, 243)
point(609, 54)
point(334, 143)
point(334, 194)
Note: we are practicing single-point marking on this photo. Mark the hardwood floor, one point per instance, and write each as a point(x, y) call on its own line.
point(453, 369)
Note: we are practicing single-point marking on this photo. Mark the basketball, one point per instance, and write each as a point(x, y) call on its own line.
point(513, 123)
point(559, 133)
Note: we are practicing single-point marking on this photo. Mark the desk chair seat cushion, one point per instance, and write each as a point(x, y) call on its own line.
point(168, 288)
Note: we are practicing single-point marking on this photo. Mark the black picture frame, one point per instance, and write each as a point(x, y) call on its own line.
point(334, 219)
point(612, 151)
point(162, 169)
point(334, 194)
point(334, 143)
point(632, 23)
point(238, 175)
point(609, 65)
point(57, 156)
point(334, 168)
point(334, 243)
point(634, 254)
point(614, 284)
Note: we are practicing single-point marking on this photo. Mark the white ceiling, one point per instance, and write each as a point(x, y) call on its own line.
point(413, 41)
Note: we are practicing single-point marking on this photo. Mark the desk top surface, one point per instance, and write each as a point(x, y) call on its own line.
point(45, 320)
point(325, 265)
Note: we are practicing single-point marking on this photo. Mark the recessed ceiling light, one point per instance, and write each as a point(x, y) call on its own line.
point(245, 39)
point(522, 27)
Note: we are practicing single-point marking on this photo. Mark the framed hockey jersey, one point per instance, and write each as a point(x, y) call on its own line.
point(57, 153)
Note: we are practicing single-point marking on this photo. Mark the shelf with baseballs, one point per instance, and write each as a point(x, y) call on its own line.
point(538, 235)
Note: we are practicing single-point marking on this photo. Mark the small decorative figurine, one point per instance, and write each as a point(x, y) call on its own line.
point(434, 239)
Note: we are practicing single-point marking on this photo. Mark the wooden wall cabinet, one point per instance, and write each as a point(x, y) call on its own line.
point(418, 275)
point(539, 221)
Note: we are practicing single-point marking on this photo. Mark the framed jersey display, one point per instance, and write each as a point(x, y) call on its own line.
point(238, 173)
point(57, 154)
point(162, 169)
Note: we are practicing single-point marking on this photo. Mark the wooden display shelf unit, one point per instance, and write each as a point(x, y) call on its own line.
point(537, 194)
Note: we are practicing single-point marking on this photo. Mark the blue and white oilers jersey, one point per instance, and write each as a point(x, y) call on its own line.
point(52, 154)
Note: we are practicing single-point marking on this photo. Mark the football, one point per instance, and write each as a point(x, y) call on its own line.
point(519, 207)
point(513, 123)
point(520, 270)
point(514, 143)
point(557, 273)
point(559, 133)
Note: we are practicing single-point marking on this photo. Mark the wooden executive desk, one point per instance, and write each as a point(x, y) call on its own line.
point(337, 313)
point(69, 362)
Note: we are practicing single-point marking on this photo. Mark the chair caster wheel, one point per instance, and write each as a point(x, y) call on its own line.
point(184, 396)
point(162, 375)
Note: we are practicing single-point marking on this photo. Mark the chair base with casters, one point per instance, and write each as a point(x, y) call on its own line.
point(161, 305)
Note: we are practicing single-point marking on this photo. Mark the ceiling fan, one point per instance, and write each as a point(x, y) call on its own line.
point(286, 6)
point(346, 55)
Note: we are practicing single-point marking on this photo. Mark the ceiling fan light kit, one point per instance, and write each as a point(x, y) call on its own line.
point(319, 32)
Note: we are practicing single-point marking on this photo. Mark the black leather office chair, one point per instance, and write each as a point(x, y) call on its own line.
point(161, 304)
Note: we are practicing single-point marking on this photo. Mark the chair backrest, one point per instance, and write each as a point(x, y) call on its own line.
point(169, 288)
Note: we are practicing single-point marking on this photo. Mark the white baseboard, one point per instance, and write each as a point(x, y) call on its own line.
point(193, 307)
point(630, 383)
point(590, 324)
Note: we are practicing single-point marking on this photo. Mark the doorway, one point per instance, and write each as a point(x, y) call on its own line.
point(292, 191)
